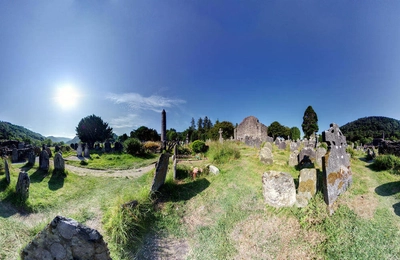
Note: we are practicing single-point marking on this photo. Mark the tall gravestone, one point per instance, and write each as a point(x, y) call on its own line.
point(86, 152)
point(79, 150)
point(175, 160)
point(163, 127)
point(44, 161)
point(31, 157)
point(107, 146)
point(221, 139)
point(7, 171)
point(161, 172)
point(49, 152)
point(59, 164)
point(14, 156)
point(22, 188)
point(336, 166)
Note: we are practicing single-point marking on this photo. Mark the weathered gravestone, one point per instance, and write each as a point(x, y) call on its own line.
point(31, 157)
point(65, 238)
point(161, 172)
point(321, 151)
point(269, 145)
point(79, 150)
point(307, 186)
point(293, 146)
point(107, 146)
point(59, 164)
point(49, 152)
point(213, 169)
point(21, 145)
point(57, 148)
point(118, 147)
point(175, 160)
point(14, 156)
point(294, 158)
point(22, 188)
point(221, 139)
point(336, 166)
point(86, 153)
point(44, 161)
point(278, 189)
point(307, 157)
point(7, 171)
point(282, 145)
point(266, 155)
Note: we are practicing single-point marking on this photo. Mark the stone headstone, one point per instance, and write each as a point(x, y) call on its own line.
point(307, 157)
point(7, 171)
point(107, 146)
point(118, 147)
point(293, 146)
point(59, 164)
point(269, 145)
point(213, 169)
point(294, 158)
point(56, 148)
point(14, 156)
point(282, 146)
point(266, 155)
point(336, 165)
point(321, 151)
point(72, 146)
point(221, 139)
point(22, 188)
point(65, 238)
point(278, 189)
point(307, 186)
point(31, 157)
point(161, 172)
point(21, 145)
point(49, 152)
point(44, 161)
point(187, 139)
point(79, 150)
point(87, 152)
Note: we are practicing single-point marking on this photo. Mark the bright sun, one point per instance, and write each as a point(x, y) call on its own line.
point(67, 96)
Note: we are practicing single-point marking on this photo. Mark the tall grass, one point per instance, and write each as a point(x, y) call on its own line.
point(223, 153)
point(386, 162)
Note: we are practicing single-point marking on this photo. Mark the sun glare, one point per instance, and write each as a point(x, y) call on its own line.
point(67, 96)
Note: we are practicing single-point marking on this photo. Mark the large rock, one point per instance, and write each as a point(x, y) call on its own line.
point(7, 171)
point(31, 157)
point(65, 238)
point(213, 169)
point(44, 161)
point(279, 189)
point(266, 155)
point(22, 187)
point(59, 164)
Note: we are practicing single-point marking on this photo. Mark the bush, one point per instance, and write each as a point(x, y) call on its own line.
point(184, 150)
point(386, 162)
point(199, 146)
point(133, 146)
point(222, 153)
point(151, 146)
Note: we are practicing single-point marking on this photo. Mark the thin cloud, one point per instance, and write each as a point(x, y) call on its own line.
point(130, 120)
point(137, 101)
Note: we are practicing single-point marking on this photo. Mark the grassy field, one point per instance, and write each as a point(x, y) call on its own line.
point(214, 216)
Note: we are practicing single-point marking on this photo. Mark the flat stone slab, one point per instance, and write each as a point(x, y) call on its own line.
point(279, 189)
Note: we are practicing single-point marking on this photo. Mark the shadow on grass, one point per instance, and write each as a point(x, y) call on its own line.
point(56, 181)
point(396, 208)
point(388, 189)
point(38, 176)
point(3, 184)
point(26, 167)
point(182, 192)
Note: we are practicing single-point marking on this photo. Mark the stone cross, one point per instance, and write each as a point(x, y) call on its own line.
point(220, 135)
point(335, 165)
point(187, 138)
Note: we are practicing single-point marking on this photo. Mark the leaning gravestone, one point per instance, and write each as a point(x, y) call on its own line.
point(279, 189)
point(79, 150)
point(336, 166)
point(14, 156)
point(44, 161)
point(65, 238)
point(161, 172)
point(59, 164)
point(307, 186)
point(7, 170)
point(266, 155)
point(22, 188)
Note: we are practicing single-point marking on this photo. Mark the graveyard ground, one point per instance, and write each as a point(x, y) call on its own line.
point(214, 216)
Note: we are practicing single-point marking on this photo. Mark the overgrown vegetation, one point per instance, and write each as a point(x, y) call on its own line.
point(386, 162)
point(133, 146)
point(223, 153)
point(199, 146)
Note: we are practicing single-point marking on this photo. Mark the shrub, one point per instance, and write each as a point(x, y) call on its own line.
point(83, 162)
point(199, 146)
point(222, 153)
point(184, 150)
point(152, 146)
point(351, 151)
point(133, 146)
point(386, 162)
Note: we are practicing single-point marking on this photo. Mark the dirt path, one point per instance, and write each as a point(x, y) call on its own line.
point(110, 173)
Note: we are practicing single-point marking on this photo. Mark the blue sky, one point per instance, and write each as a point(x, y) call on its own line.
point(128, 60)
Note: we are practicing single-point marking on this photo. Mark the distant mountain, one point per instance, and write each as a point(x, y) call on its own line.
point(58, 139)
point(74, 140)
point(9, 131)
point(364, 129)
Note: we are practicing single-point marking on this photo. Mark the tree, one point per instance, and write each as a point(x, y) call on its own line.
point(92, 129)
point(275, 129)
point(294, 133)
point(227, 130)
point(310, 122)
point(172, 135)
point(144, 133)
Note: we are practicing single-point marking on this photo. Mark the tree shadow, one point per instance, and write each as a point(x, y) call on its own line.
point(396, 208)
point(388, 189)
point(56, 181)
point(38, 176)
point(181, 192)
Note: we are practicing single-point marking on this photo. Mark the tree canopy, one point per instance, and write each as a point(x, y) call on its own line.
point(310, 122)
point(92, 129)
point(144, 133)
point(227, 130)
point(295, 133)
point(276, 129)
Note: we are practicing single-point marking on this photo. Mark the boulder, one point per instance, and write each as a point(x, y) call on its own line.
point(213, 169)
point(279, 189)
point(266, 155)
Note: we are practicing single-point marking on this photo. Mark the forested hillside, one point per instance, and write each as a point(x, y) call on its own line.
point(367, 128)
point(14, 132)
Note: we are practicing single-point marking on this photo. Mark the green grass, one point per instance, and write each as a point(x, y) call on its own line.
point(116, 161)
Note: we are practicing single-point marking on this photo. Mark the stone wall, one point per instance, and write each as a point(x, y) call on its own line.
point(251, 129)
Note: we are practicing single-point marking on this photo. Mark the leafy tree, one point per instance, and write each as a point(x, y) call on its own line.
point(310, 122)
point(227, 130)
point(122, 138)
point(144, 133)
point(172, 135)
point(295, 133)
point(275, 129)
point(92, 129)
